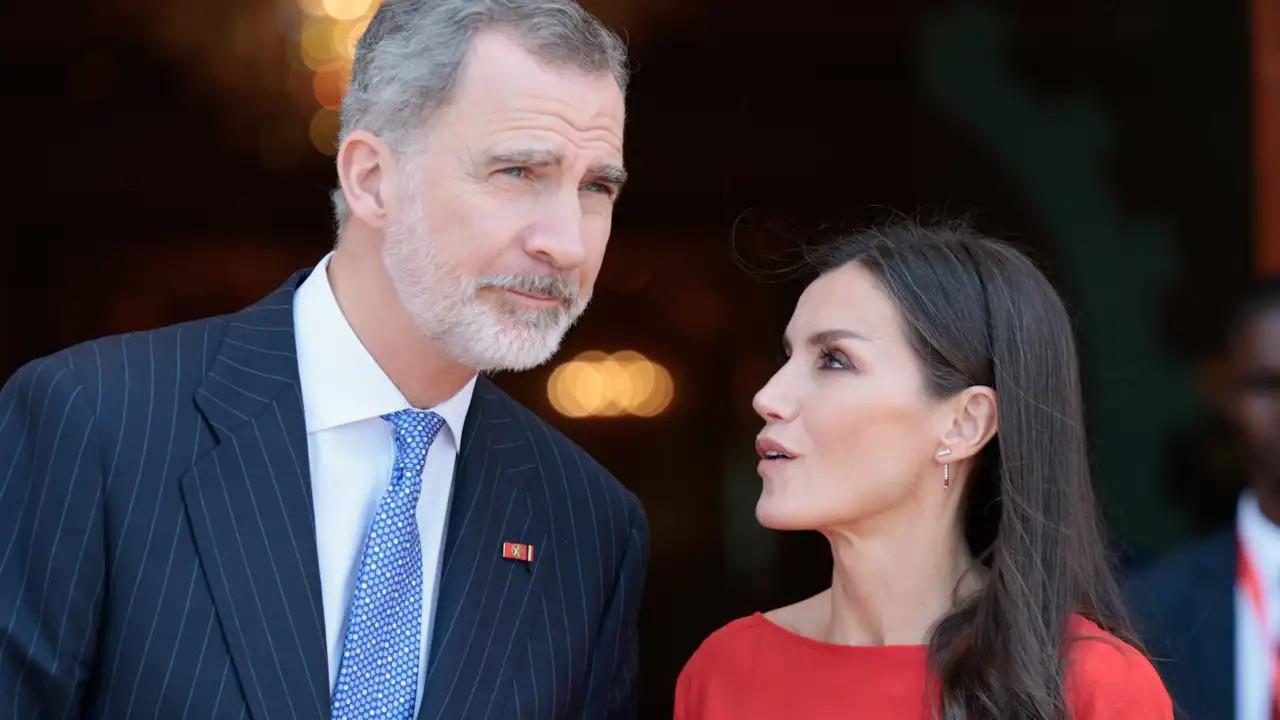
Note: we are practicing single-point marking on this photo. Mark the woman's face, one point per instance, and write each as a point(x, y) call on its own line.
point(848, 410)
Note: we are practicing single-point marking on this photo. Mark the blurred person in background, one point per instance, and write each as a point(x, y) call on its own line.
point(928, 423)
point(1210, 612)
point(318, 506)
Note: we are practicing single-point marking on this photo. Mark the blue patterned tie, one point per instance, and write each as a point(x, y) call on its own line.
point(378, 672)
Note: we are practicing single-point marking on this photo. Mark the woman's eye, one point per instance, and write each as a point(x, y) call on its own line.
point(831, 360)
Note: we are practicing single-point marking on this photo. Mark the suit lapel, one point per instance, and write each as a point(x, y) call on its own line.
point(249, 501)
point(485, 599)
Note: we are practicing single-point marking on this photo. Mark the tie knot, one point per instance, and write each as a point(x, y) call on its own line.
point(416, 429)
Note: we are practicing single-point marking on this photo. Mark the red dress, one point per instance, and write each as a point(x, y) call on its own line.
point(753, 668)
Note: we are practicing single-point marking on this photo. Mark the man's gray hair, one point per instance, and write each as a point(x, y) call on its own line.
point(406, 63)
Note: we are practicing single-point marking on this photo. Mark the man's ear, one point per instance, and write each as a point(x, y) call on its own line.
point(367, 172)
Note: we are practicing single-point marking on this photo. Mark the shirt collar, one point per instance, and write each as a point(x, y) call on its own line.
point(1261, 538)
point(341, 382)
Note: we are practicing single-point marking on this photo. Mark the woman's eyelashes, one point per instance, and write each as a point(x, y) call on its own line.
point(833, 359)
point(827, 359)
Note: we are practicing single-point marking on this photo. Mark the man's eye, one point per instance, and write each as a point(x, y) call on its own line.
point(596, 187)
point(518, 172)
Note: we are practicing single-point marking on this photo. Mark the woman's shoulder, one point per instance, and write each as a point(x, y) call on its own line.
point(727, 643)
point(1109, 678)
point(718, 660)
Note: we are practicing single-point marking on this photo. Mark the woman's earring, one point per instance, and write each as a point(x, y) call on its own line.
point(946, 468)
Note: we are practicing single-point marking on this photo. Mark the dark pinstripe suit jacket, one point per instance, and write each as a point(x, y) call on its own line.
point(158, 555)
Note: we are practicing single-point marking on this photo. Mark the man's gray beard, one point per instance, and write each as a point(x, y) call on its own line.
point(489, 335)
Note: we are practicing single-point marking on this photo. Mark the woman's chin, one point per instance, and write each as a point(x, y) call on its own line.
point(772, 512)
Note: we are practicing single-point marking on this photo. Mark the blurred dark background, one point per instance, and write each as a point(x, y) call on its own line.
point(169, 165)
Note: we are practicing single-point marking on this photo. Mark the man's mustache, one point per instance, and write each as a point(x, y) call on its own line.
point(553, 286)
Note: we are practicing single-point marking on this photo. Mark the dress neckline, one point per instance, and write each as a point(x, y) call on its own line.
point(913, 650)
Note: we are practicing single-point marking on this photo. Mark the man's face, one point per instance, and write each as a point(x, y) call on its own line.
point(1253, 361)
point(506, 206)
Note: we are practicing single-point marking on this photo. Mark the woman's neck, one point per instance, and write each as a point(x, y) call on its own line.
point(891, 585)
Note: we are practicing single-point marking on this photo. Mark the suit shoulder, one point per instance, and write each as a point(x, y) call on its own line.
point(577, 463)
point(590, 487)
point(109, 358)
point(544, 434)
point(40, 378)
point(104, 371)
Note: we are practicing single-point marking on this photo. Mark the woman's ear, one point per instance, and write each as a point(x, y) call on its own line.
point(973, 422)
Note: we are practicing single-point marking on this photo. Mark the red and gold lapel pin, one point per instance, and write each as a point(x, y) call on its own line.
point(517, 551)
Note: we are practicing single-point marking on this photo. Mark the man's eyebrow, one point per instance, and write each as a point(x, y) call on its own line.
point(609, 172)
point(534, 158)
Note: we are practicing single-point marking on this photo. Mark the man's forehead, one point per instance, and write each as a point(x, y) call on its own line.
point(499, 75)
point(576, 119)
point(547, 140)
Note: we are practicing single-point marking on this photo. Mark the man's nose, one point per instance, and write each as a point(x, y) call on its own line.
point(557, 238)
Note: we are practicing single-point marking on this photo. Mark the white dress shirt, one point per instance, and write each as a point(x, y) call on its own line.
point(1254, 653)
point(351, 451)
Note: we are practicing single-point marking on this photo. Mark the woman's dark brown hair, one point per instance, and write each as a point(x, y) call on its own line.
point(978, 312)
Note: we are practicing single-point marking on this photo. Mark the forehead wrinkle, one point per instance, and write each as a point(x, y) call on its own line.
point(569, 113)
point(600, 129)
